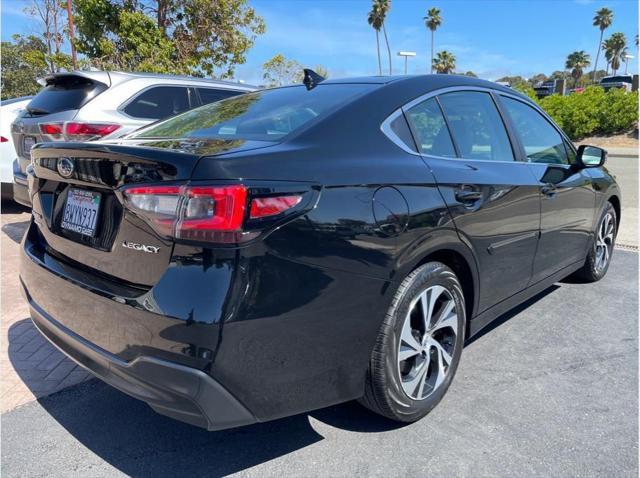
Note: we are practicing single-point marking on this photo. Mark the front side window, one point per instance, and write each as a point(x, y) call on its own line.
point(476, 126)
point(159, 102)
point(541, 141)
point(430, 129)
point(266, 115)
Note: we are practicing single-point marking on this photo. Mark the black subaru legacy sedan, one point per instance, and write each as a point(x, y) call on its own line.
point(293, 248)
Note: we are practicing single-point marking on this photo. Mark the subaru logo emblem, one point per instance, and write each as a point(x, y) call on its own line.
point(65, 167)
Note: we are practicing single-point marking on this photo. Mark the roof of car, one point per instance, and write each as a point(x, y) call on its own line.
point(180, 77)
point(430, 82)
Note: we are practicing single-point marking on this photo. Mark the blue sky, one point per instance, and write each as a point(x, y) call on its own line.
point(491, 37)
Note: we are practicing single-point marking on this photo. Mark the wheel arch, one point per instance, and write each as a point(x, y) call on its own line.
point(615, 202)
point(459, 258)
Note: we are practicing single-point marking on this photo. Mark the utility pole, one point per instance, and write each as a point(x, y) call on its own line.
point(74, 57)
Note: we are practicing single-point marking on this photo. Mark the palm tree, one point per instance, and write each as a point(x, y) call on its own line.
point(602, 20)
point(375, 20)
point(383, 7)
point(433, 20)
point(577, 62)
point(444, 62)
point(615, 49)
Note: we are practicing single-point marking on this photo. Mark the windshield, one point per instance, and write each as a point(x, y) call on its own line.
point(266, 115)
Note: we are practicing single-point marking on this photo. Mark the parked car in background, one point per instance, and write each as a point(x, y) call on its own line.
point(302, 246)
point(9, 109)
point(545, 88)
point(89, 105)
point(618, 81)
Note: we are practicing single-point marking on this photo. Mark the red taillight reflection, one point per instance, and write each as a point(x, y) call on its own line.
point(3, 139)
point(270, 206)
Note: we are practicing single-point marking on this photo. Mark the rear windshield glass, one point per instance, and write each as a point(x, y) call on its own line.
point(65, 94)
point(266, 115)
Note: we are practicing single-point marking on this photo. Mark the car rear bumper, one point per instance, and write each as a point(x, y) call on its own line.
point(21, 189)
point(170, 388)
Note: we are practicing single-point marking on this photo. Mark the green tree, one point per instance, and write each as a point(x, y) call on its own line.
point(602, 20)
point(322, 71)
point(615, 48)
point(577, 62)
point(433, 20)
point(375, 21)
point(23, 61)
point(516, 82)
point(470, 73)
point(279, 71)
point(197, 37)
point(383, 7)
point(536, 79)
point(444, 62)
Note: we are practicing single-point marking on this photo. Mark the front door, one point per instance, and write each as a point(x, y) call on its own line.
point(494, 199)
point(567, 198)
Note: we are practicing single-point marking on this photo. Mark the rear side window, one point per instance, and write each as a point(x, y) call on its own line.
point(541, 141)
point(476, 126)
point(266, 115)
point(430, 129)
point(211, 95)
point(159, 102)
point(65, 93)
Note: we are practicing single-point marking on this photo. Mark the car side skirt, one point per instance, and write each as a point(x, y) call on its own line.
point(489, 315)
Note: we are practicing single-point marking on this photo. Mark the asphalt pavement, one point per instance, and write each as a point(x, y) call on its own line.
point(551, 389)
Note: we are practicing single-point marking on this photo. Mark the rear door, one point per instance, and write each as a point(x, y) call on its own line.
point(567, 198)
point(493, 198)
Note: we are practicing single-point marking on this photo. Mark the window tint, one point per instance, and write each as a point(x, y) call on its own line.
point(65, 93)
point(476, 126)
point(159, 102)
point(542, 143)
point(430, 129)
point(401, 129)
point(211, 95)
point(266, 115)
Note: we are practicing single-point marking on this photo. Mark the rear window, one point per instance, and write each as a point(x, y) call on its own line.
point(266, 115)
point(66, 93)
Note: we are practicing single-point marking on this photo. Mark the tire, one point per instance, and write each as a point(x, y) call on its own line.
point(390, 380)
point(596, 265)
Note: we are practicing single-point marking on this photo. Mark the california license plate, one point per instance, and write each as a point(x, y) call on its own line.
point(81, 212)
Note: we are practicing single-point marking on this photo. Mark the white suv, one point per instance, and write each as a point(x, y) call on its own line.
point(88, 105)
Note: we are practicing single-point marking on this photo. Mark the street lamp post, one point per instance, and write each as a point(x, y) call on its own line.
point(406, 55)
point(627, 57)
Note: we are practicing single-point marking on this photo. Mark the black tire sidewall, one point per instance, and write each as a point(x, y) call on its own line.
point(405, 408)
point(591, 259)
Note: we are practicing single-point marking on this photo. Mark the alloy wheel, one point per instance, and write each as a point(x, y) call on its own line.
point(604, 241)
point(427, 342)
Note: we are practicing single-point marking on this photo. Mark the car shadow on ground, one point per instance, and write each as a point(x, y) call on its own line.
point(128, 435)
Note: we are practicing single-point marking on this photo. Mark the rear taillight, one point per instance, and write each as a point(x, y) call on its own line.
point(204, 213)
point(3, 139)
point(76, 131)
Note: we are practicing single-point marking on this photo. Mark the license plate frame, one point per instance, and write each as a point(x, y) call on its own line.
point(81, 212)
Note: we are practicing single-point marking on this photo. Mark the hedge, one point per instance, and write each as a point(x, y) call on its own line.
point(593, 111)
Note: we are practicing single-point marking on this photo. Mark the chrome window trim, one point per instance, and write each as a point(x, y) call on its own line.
point(385, 127)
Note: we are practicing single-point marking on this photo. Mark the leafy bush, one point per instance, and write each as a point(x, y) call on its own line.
point(593, 111)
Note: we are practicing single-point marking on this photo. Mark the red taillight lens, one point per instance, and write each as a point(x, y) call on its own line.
point(3, 139)
point(199, 213)
point(77, 131)
point(89, 129)
point(270, 206)
point(51, 128)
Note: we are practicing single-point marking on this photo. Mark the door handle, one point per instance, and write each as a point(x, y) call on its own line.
point(468, 195)
point(549, 190)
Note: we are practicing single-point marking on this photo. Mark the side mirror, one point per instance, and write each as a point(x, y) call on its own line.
point(591, 156)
